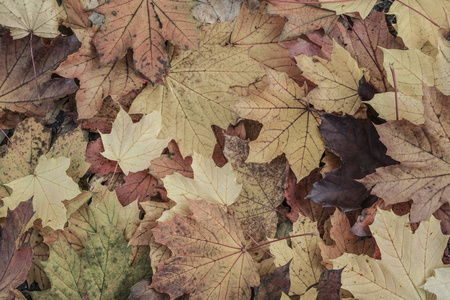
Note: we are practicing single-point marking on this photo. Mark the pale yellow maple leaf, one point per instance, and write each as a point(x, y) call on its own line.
point(414, 28)
point(290, 126)
point(409, 108)
point(49, 186)
point(305, 268)
point(362, 6)
point(38, 17)
point(210, 183)
point(197, 94)
point(133, 146)
point(439, 284)
point(441, 64)
point(407, 259)
point(337, 80)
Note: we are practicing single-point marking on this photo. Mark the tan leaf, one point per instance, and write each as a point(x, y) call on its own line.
point(262, 189)
point(134, 145)
point(363, 7)
point(407, 259)
point(38, 17)
point(439, 283)
point(209, 258)
point(171, 162)
point(216, 10)
point(423, 153)
point(337, 80)
point(346, 242)
point(48, 186)
point(409, 108)
point(290, 126)
point(305, 268)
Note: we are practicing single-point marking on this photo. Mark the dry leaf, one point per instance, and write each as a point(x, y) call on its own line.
point(439, 283)
point(362, 6)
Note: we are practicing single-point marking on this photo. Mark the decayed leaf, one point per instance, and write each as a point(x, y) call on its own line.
point(144, 26)
point(441, 65)
point(409, 108)
point(415, 29)
point(197, 94)
point(40, 253)
point(337, 80)
point(302, 18)
point(346, 242)
point(216, 10)
point(289, 125)
point(407, 259)
point(14, 263)
point(261, 33)
point(139, 186)
point(329, 286)
point(210, 183)
point(38, 17)
point(262, 189)
point(18, 91)
point(274, 284)
point(357, 143)
point(362, 6)
point(209, 258)
point(133, 146)
point(423, 153)
point(49, 185)
point(100, 165)
point(305, 268)
point(439, 283)
point(96, 83)
point(171, 162)
point(102, 272)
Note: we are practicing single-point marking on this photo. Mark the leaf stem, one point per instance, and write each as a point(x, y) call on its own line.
point(415, 10)
point(34, 67)
point(391, 66)
point(14, 145)
point(285, 238)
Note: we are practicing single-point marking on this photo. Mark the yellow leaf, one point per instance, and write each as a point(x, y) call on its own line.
point(210, 183)
point(337, 80)
point(39, 17)
point(423, 152)
point(407, 259)
point(441, 65)
point(439, 284)
point(414, 28)
point(197, 94)
point(49, 186)
point(409, 108)
point(305, 268)
point(362, 6)
point(133, 146)
point(290, 126)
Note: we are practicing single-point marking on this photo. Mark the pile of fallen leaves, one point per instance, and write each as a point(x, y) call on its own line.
point(224, 149)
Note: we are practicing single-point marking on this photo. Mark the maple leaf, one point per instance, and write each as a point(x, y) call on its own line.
point(274, 284)
point(409, 108)
point(422, 151)
point(103, 271)
point(141, 186)
point(216, 10)
point(357, 143)
point(260, 34)
point(210, 183)
point(14, 263)
point(439, 284)
point(302, 18)
point(162, 20)
point(18, 91)
point(209, 258)
point(289, 125)
point(133, 146)
point(414, 28)
point(305, 268)
point(262, 189)
point(346, 242)
point(337, 80)
point(38, 17)
point(404, 265)
point(97, 82)
point(363, 7)
point(171, 162)
point(49, 185)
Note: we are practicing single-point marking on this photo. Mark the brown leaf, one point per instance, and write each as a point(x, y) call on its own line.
point(209, 258)
point(274, 284)
point(18, 90)
point(171, 162)
point(99, 164)
point(329, 286)
point(443, 214)
point(14, 263)
point(262, 190)
point(141, 186)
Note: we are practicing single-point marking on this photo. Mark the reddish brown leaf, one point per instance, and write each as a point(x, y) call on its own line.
point(140, 185)
point(99, 164)
point(329, 286)
point(144, 26)
point(238, 130)
point(14, 263)
point(443, 214)
point(171, 162)
point(18, 91)
point(77, 14)
point(274, 284)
